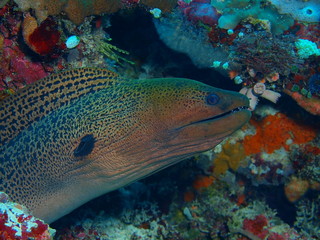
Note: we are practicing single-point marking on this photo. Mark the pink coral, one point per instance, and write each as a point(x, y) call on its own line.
point(257, 226)
point(17, 224)
point(311, 105)
point(17, 69)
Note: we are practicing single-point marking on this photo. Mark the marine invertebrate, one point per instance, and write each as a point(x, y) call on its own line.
point(72, 41)
point(200, 11)
point(306, 48)
point(234, 11)
point(112, 52)
point(264, 54)
point(17, 70)
point(295, 189)
point(202, 182)
point(257, 226)
point(307, 219)
point(277, 131)
point(43, 39)
point(3, 3)
point(257, 221)
point(304, 11)
point(17, 224)
point(229, 158)
point(311, 105)
point(259, 90)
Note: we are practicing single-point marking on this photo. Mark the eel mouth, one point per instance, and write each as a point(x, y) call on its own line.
point(222, 115)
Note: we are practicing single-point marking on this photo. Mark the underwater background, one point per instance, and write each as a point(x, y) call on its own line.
point(263, 182)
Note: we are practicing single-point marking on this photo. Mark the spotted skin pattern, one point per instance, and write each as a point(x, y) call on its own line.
point(81, 133)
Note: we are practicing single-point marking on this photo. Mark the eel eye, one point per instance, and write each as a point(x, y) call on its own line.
point(85, 146)
point(212, 99)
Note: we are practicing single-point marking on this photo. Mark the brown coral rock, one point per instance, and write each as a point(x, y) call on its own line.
point(77, 10)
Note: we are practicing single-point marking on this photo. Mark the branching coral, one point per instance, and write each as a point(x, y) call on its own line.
point(308, 217)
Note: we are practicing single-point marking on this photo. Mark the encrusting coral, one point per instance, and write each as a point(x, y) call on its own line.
point(230, 157)
point(276, 131)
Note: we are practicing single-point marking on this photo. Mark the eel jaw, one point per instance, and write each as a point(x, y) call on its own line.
point(222, 115)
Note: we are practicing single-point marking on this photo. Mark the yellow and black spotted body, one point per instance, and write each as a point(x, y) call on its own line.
point(81, 133)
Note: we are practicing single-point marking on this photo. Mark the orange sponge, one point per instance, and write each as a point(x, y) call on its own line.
point(276, 131)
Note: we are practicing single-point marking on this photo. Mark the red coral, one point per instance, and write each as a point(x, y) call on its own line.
point(257, 226)
point(46, 38)
point(18, 225)
point(275, 236)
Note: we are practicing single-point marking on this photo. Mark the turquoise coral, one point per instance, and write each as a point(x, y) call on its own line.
point(305, 11)
point(233, 12)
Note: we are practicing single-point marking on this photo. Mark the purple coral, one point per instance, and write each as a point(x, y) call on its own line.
point(200, 11)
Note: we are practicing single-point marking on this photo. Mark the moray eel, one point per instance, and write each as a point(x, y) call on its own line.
point(78, 134)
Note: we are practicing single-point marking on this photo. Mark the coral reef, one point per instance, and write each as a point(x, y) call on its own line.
point(77, 10)
point(277, 131)
point(305, 11)
point(233, 12)
point(43, 39)
point(264, 55)
point(17, 68)
point(180, 35)
point(264, 48)
point(229, 158)
point(17, 224)
point(200, 11)
point(311, 105)
point(308, 217)
point(295, 189)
